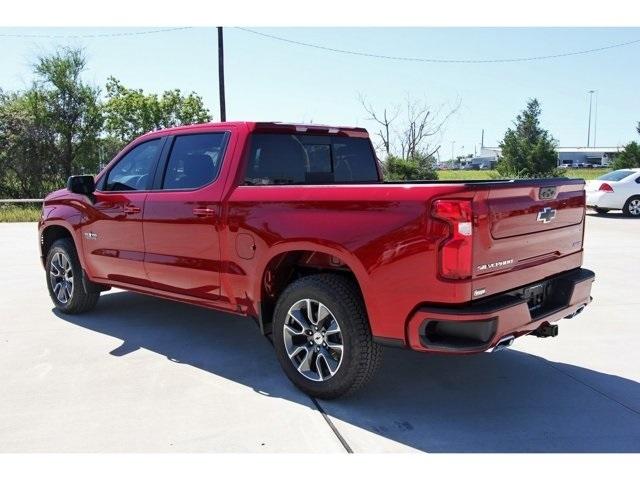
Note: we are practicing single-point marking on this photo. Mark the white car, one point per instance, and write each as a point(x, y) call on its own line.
point(617, 190)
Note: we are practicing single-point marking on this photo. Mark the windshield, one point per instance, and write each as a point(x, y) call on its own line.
point(616, 176)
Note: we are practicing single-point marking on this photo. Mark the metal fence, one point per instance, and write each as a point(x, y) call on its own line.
point(20, 200)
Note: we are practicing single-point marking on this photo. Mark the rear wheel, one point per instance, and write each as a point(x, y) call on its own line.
point(322, 337)
point(601, 211)
point(632, 207)
point(64, 279)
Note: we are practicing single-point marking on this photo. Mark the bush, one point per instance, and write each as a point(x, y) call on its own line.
point(416, 167)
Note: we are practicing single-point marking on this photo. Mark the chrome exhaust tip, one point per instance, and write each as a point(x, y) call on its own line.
point(503, 343)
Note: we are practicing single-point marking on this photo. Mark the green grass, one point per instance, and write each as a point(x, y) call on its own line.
point(19, 213)
point(586, 173)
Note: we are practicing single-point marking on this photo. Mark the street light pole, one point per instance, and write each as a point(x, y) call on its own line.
point(223, 107)
point(590, 92)
point(595, 120)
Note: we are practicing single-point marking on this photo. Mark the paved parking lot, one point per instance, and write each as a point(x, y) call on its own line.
point(141, 374)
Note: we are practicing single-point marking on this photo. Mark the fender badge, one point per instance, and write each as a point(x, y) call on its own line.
point(90, 236)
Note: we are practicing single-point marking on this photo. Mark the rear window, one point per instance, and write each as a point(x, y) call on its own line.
point(616, 176)
point(282, 159)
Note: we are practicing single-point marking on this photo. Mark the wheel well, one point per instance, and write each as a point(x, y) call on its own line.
point(50, 235)
point(287, 267)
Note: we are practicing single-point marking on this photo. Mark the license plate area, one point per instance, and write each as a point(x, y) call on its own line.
point(535, 296)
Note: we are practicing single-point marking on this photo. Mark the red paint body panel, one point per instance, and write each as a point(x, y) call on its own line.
point(210, 246)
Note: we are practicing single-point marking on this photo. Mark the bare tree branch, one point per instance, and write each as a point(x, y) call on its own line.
point(419, 132)
point(384, 121)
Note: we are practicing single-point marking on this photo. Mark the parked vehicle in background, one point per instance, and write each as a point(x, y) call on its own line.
point(617, 190)
point(293, 225)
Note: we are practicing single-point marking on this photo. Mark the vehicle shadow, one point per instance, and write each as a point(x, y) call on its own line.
point(504, 402)
point(613, 215)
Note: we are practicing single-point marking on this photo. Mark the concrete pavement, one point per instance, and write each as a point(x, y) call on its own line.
point(141, 374)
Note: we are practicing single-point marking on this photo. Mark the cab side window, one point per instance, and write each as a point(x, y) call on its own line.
point(194, 160)
point(135, 170)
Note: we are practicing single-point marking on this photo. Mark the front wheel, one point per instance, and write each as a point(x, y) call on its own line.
point(64, 279)
point(632, 207)
point(322, 337)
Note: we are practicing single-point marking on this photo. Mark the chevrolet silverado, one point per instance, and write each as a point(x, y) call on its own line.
point(294, 226)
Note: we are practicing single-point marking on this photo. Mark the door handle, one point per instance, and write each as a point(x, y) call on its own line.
point(204, 212)
point(130, 209)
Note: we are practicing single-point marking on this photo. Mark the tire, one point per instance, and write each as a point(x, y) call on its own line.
point(353, 365)
point(601, 211)
point(632, 207)
point(64, 279)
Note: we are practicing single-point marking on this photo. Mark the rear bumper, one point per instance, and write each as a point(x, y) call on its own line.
point(603, 200)
point(480, 325)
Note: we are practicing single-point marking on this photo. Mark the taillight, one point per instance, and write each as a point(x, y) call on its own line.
point(456, 250)
point(605, 187)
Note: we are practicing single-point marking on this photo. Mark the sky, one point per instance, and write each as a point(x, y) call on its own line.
point(267, 79)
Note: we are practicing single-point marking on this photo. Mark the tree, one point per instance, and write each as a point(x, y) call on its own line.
point(409, 141)
point(50, 130)
point(26, 143)
point(72, 109)
point(384, 122)
point(629, 157)
point(410, 134)
point(528, 150)
point(130, 113)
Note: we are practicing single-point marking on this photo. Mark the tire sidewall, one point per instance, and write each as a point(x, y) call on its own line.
point(347, 371)
point(627, 206)
point(63, 247)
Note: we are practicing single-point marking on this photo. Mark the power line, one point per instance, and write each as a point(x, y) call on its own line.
point(439, 60)
point(337, 50)
point(94, 35)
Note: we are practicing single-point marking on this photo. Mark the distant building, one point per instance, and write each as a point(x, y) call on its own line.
point(570, 156)
point(586, 156)
point(487, 159)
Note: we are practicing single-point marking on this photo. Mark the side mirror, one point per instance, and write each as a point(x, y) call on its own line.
point(81, 184)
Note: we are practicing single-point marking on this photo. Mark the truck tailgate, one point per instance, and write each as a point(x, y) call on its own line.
point(527, 224)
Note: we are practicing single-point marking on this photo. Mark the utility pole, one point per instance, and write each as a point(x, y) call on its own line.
point(590, 92)
point(452, 152)
point(223, 107)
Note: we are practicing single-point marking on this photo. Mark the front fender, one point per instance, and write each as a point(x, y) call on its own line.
point(65, 216)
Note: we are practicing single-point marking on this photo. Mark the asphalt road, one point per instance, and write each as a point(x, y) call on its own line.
point(141, 374)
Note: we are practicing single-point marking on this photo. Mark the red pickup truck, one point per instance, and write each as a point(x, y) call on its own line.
point(294, 226)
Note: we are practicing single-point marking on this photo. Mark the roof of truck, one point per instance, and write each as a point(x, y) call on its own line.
point(270, 126)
